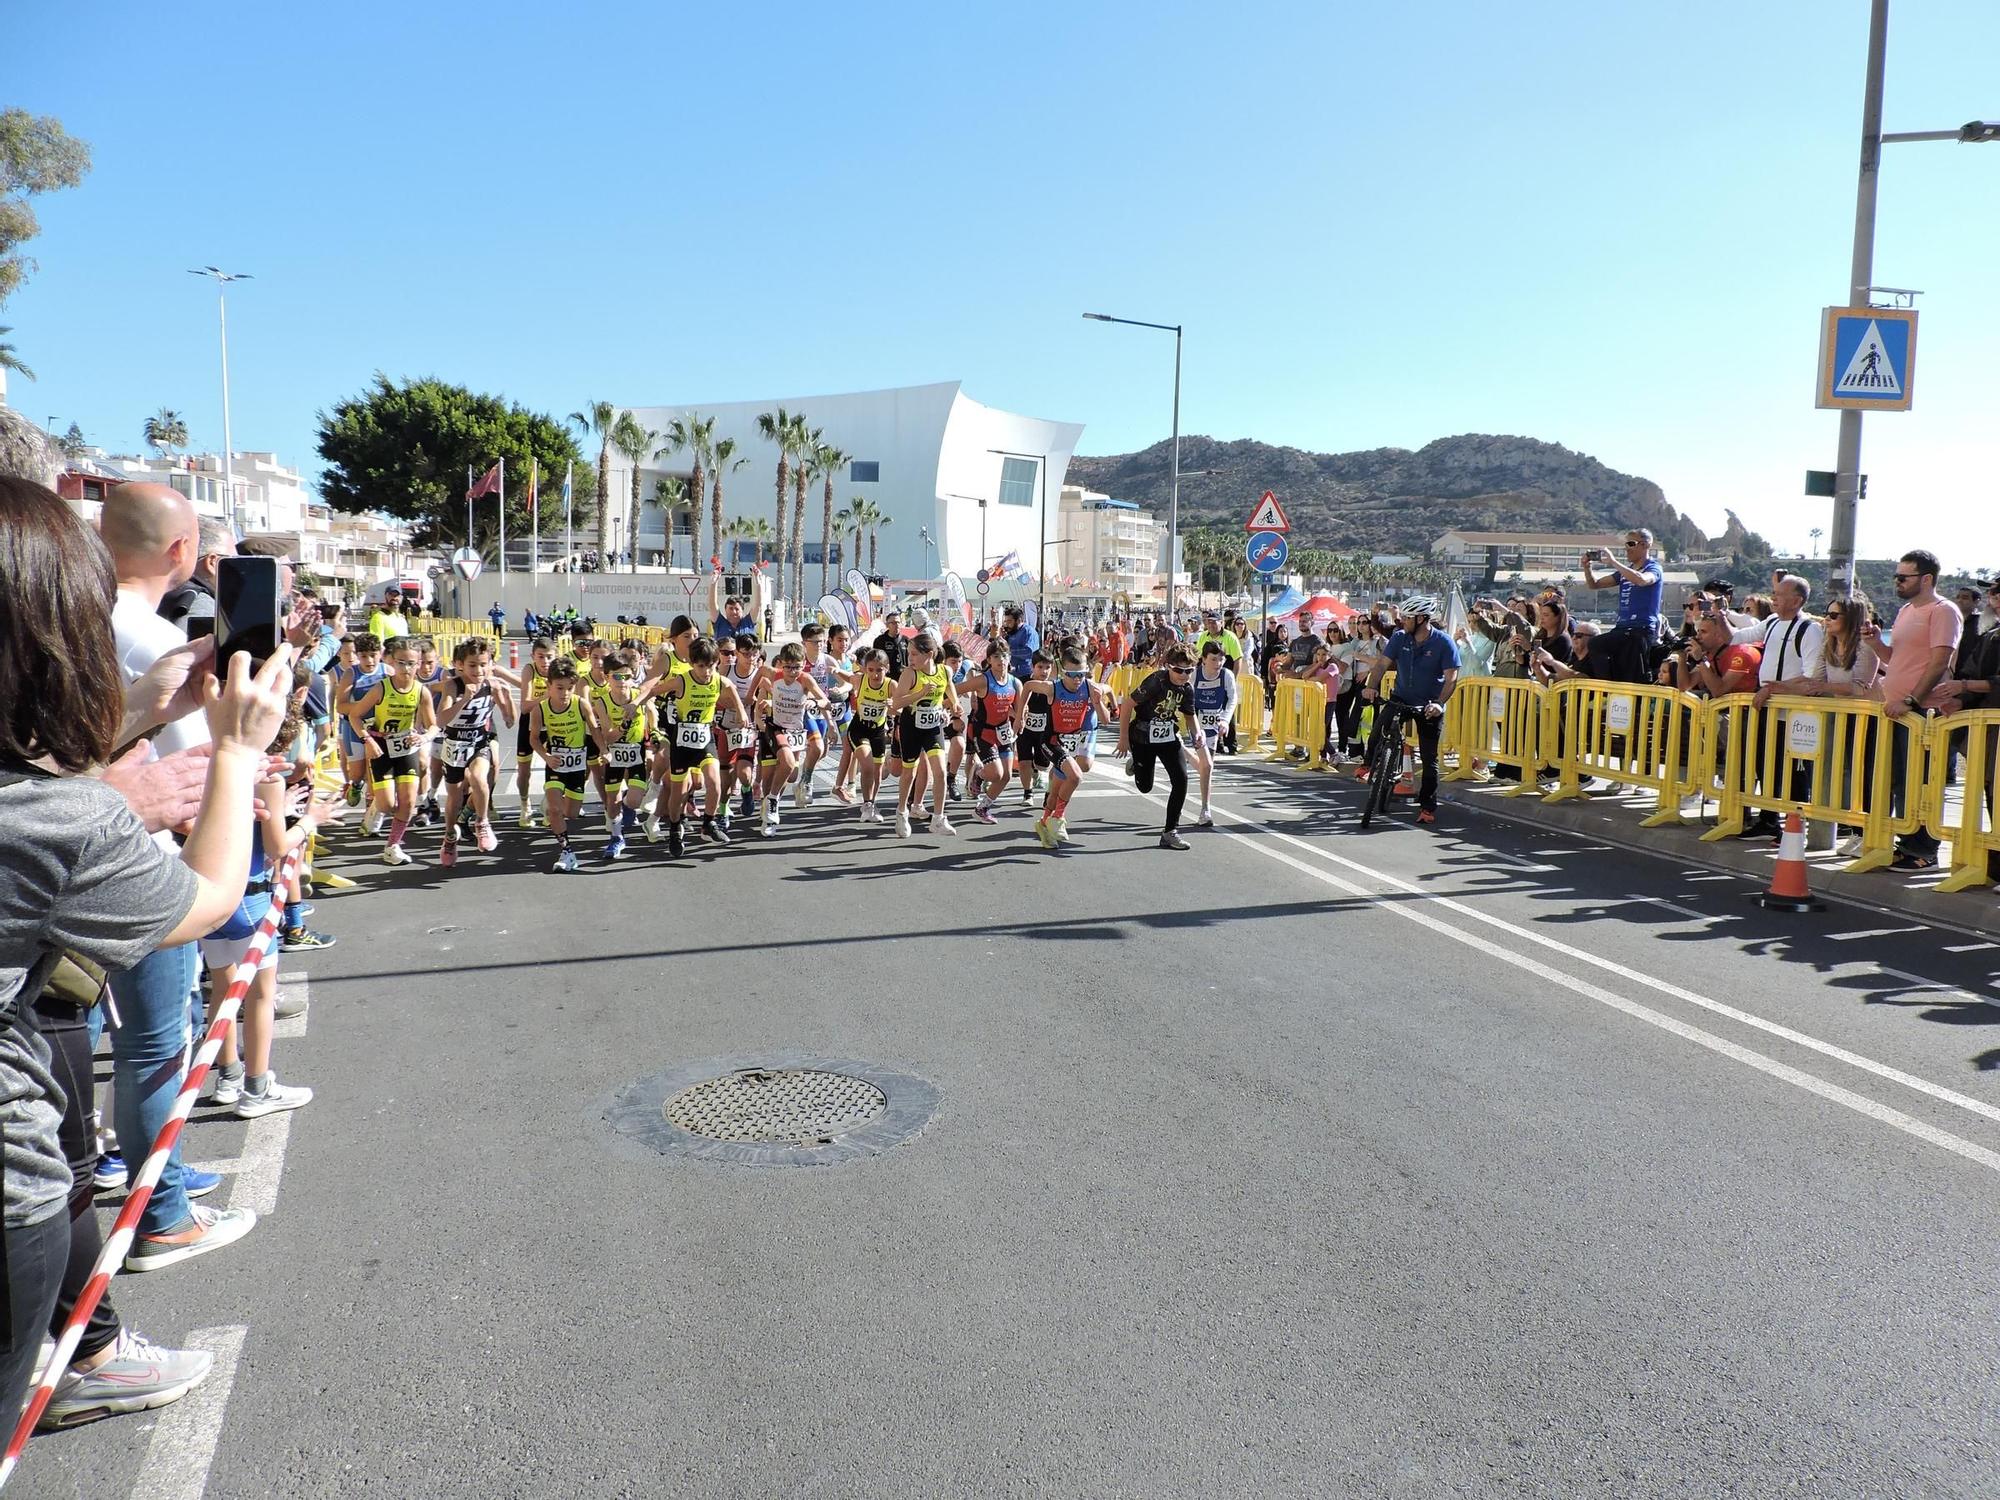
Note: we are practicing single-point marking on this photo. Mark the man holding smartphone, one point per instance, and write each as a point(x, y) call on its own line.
point(1621, 652)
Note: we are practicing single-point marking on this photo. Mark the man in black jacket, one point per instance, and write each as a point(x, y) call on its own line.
point(195, 599)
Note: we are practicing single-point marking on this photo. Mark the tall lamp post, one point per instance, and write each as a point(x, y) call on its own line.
point(222, 279)
point(1847, 467)
point(1174, 486)
point(1041, 529)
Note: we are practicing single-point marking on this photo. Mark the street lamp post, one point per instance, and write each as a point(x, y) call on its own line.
point(222, 279)
point(924, 536)
point(1174, 484)
point(1847, 466)
point(1041, 529)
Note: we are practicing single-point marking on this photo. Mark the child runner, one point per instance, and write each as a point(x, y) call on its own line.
point(430, 672)
point(990, 719)
point(533, 686)
point(739, 661)
point(470, 699)
point(954, 732)
point(925, 702)
point(391, 719)
point(1214, 690)
point(1149, 729)
point(1031, 725)
point(868, 731)
point(696, 695)
point(363, 674)
point(784, 699)
point(622, 723)
point(561, 735)
point(1076, 706)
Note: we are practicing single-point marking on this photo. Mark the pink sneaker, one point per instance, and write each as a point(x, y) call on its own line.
point(487, 841)
point(984, 812)
point(448, 855)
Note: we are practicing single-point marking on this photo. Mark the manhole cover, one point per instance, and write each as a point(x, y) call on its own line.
point(802, 1106)
point(781, 1109)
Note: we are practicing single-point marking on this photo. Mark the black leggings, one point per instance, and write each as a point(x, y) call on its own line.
point(31, 1266)
point(1145, 755)
point(67, 1029)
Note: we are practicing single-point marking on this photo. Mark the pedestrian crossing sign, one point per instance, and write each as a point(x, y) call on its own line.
point(1867, 356)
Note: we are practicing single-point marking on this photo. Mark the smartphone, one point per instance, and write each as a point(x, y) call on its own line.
point(249, 613)
point(199, 626)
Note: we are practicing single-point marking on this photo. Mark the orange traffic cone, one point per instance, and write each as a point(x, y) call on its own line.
point(513, 656)
point(1789, 891)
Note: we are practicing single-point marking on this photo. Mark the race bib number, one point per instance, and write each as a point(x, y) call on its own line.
point(1211, 719)
point(930, 718)
point(401, 744)
point(625, 757)
point(743, 739)
point(1075, 744)
point(873, 713)
point(1160, 731)
point(1004, 736)
point(458, 752)
point(1035, 723)
point(566, 758)
point(795, 739)
point(692, 736)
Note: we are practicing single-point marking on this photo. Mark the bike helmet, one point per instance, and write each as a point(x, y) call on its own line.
point(1420, 604)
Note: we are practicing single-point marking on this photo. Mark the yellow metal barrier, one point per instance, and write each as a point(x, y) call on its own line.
point(1249, 710)
point(1827, 759)
point(1975, 838)
point(1497, 720)
point(1636, 734)
point(1298, 722)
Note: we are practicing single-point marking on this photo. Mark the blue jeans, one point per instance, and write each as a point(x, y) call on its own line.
point(148, 1062)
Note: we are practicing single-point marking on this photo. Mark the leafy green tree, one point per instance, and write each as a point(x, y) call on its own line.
point(600, 418)
point(694, 436)
point(786, 430)
point(36, 156)
point(827, 461)
point(9, 359)
point(74, 443)
point(405, 448)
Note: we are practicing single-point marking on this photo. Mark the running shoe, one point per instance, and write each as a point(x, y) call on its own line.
point(653, 826)
point(1172, 840)
point(951, 789)
point(270, 1099)
point(199, 1184)
point(902, 822)
point(803, 796)
point(228, 1085)
point(395, 854)
point(298, 911)
point(1060, 826)
point(1045, 833)
point(984, 812)
point(615, 849)
point(676, 845)
point(110, 1173)
point(353, 794)
point(566, 861)
point(940, 824)
point(290, 1002)
point(1205, 819)
point(448, 851)
point(203, 1230)
point(1131, 766)
point(371, 823)
point(527, 819)
point(1425, 815)
point(303, 939)
point(769, 827)
point(1028, 793)
point(424, 818)
point(488, 840)
point(771, 811)
point(715, 833)
point(139, 1376)
point(749, 803)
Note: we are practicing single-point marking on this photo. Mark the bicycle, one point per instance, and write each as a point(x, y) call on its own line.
point(1385, 755)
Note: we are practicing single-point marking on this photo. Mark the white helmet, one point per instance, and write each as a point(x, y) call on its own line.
point(1420, 604)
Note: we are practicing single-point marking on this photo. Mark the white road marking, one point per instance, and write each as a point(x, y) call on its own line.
point(1706, 918)
point(1919, 982)
point(1757, 1060)
point(1869, 932)
point(291, 986)
point(262, 1163)
point(185, 1436)
point(1692, 878)
point(1969, 947)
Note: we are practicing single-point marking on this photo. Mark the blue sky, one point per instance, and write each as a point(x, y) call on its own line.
point(1610, 226)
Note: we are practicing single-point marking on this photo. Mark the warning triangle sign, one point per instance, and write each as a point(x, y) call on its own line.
point(1268, 516)
point(1870, 371)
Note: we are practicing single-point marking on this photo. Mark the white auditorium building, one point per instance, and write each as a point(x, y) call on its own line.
point(972, 478)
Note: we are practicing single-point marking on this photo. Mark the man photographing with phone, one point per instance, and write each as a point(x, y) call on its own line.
point(1621, 652)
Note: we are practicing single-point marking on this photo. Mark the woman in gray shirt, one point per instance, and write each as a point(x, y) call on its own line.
point(78, 871)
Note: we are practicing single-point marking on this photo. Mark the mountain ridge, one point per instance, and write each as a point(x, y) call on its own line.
point(1396, 499)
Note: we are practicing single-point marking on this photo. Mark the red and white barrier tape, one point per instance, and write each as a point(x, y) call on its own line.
point(141, 1190)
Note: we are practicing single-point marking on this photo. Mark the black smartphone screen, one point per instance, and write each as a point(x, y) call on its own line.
point(248, 613)
point(199, 626)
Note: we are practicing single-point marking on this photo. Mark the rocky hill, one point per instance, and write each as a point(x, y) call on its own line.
point(1394, 500)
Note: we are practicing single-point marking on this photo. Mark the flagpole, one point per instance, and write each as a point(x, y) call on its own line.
point(535, 524)
point(569, 531)
point(468, 505)
point(503, 519)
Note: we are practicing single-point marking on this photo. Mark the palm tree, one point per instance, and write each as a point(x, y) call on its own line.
point(877, 519)
point(844, 521)
point(668, 493)
point(754, 529)
point(9, 360)
point(166, 430)
point(694, 436)
point(634, 443)
point(600, 417)
point(804, 470)
point(782, 428)
point(828, 460)
point(723, 460)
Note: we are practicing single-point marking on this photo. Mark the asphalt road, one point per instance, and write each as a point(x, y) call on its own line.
point(1307, 1162)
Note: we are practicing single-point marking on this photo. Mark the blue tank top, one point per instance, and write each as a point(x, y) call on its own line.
point(1209, 697)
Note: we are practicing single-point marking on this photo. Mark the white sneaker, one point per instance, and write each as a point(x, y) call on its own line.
point(771, 810)
point(803, 796)
point(277, 1096)
point(769, 827)
point(395, 854)
point(902, 822)
point(208, 1229)
point(228, 1087)
point(371, 823)
point(1205, 820)
point(941, 824)
point(653, 826)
